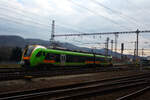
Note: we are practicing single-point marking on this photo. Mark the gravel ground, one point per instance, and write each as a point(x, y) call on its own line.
point(36, 83)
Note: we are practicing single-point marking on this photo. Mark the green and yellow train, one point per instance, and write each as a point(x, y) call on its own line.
point(36, 55)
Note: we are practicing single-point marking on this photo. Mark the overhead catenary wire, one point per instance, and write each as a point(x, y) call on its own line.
point(102, 33)
point(20, 21)
point(20, 15)
point(121, 14)
point(31, 19)
point(67, 27)
point(27, 20)
point(21, 10)
point(98, 14)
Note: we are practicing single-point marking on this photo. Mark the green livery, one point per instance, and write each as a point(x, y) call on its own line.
point(36, 55)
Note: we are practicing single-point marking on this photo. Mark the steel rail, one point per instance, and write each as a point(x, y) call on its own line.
point(136, 93)
point(19, 74)
point(74, 91)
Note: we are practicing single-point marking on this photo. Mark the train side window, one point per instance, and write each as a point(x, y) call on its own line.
point(43, 53)
point(47, 56)
point(39, 54)
point(50, 56)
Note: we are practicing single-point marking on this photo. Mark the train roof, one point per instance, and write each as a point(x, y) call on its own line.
point(56, 51)
point(69, 52)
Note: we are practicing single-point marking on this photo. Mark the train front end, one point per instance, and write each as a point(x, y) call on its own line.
point(33, 56)
point(27, 54)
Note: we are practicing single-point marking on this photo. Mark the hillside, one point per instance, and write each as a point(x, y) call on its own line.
point(17, 41)
point(12, 41)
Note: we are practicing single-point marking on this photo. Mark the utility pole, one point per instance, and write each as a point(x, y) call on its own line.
point(111, 46)
point(122, 48)
point(107, 44)
point(142, 52)
point(137, 41)
point(116, 37)
point(52, 34)
point(135, 49)
point(105, 48)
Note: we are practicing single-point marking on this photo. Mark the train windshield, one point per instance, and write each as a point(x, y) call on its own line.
point(28, 51)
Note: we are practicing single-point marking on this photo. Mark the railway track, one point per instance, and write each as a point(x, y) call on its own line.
point(81, 90)
point(18, 73)
point(134, 94)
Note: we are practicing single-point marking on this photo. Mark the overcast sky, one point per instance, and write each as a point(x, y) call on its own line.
point(33, 18)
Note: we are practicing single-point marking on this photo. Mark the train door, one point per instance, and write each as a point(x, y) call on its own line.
point(62, 59)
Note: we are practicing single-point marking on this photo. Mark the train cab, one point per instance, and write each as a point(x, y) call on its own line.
point(27, 54)
point(32, 55)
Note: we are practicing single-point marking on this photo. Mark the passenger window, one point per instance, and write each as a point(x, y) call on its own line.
point(50, 56)
point(39, 54)
point(43, 53)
